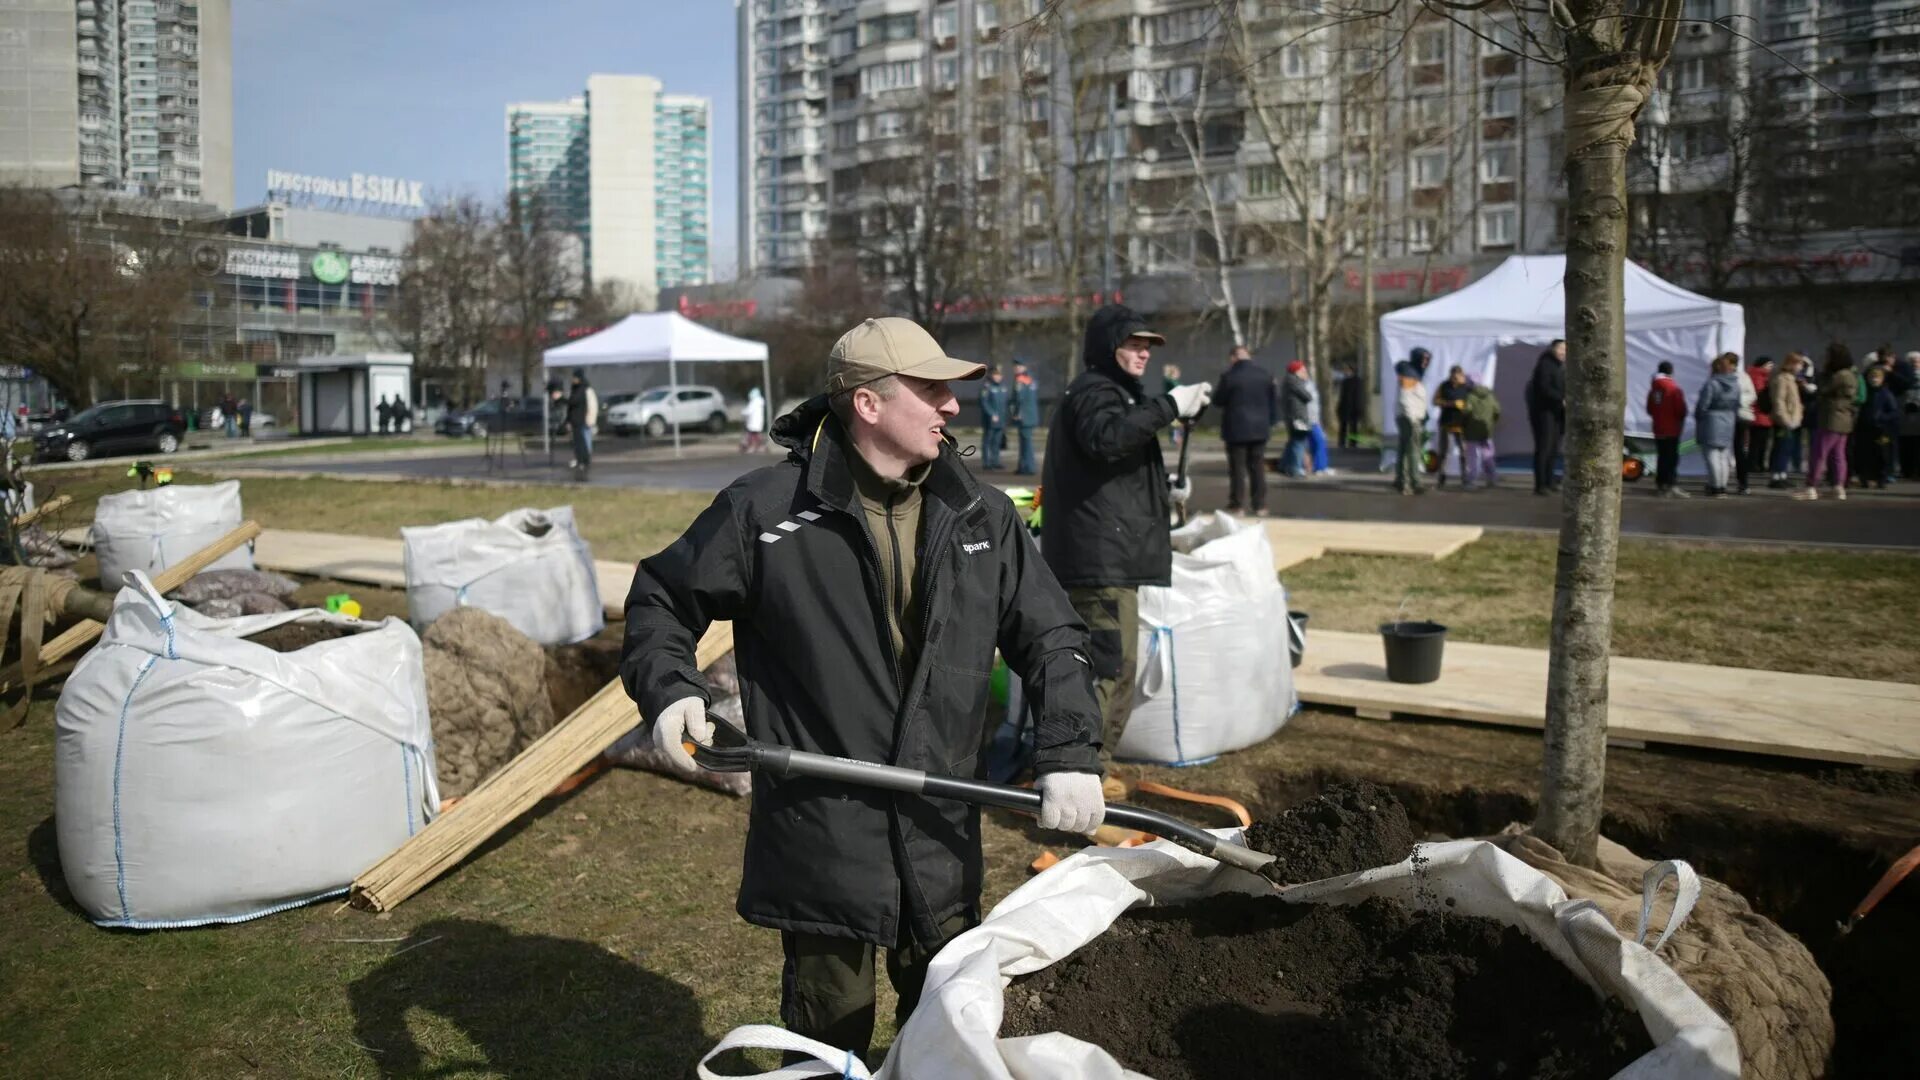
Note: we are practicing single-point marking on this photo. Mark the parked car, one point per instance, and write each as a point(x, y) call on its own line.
point(498, 416)
point(113, 427)
point(656, 411)
point(258, 420)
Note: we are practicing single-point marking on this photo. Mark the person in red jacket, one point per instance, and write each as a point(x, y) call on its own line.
point(1667, 406)
point(1757, 444)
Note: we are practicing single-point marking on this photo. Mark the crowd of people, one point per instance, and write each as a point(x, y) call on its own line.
point(1842, 424)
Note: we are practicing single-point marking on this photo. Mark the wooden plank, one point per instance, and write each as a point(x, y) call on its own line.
point(1814, 717)
point(82, 633)
point(1292, 553)
point(1411, 540)
point(53, 505)
point(512, 791)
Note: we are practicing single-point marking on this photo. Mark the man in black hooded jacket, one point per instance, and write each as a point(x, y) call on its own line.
point(1108, 498)
point(869, 579)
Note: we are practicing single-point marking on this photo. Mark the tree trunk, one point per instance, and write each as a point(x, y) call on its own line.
point(1574, 766)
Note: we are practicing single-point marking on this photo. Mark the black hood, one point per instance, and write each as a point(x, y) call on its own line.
point(1107, 330)
point(795, 430)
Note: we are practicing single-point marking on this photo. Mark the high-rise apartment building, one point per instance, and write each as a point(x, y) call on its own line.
point(624, 167)
point(129, 96)
point(1121, 142)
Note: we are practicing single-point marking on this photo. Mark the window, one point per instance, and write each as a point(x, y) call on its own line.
point(1497, 164)
point(946, 119)
point(987, 162)
point(1354, 180)
point(1039, 257)
point(1498, 226)
point(1428, 112)
point(1035, 110)
point(1293, 61)
point(845, 135)
point(1430, 45)
point(943, 171)
point(1690, 74)
point(1420, 234)
point(1697, 141)
point(1699, 10)
point(1175, 26)
point(841, 44)
point(1501, 38)
point(946, 72)
point(1263, 181)
point(899, 75)
point(986, 16)
point(1502, 102)
point(946, 23)
point(1180, 83)
point(1430, 169)
point(890, 28)
point(989, 62)
point(1036, 209)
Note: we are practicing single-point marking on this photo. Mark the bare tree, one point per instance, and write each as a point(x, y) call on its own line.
point(87, 296)
point(446, 313)
point(538, 278)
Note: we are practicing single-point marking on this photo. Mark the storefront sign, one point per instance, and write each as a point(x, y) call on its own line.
point(375, 270)
point(330, 267)
point(718, 309)
point(356, 187)
point(263, 262)
point(216, 369)
point(1436, 279)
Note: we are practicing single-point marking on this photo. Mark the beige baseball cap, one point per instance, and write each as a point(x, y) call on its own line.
point(878, 348)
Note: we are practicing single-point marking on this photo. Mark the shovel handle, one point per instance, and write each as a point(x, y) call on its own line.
point(780, 761)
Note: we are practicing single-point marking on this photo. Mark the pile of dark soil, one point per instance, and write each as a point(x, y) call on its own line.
point(1348, 827)
point(292, 637)
point(1255, 986)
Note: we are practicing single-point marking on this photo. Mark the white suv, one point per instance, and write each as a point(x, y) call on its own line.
point(656, 410)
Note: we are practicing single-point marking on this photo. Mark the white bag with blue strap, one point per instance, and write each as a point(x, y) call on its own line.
point(201, 778)
point(530, 567)
point(1214, 674)
point(153, 529)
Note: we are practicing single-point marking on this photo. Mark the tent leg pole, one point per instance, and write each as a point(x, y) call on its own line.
point(673, 401)
point(546, 416)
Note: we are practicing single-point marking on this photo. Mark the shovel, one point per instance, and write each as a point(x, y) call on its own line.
point(1180, 471)
point(741, 754)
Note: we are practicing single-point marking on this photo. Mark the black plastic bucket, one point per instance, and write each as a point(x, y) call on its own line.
point(1413, 650)
point(1297, 636)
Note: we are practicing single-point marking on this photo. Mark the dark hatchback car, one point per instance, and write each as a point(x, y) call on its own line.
point(112, 427)
point(499, 416)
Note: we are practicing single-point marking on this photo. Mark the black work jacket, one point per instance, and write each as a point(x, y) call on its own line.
point(785, 552)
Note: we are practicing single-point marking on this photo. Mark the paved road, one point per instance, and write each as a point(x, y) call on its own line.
point(1357, 492)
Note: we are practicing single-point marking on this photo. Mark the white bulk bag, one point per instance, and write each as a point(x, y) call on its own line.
point(1214, 673)
point(200, 778)
point(153, 529)
point(530, 567)
point(955, 1030)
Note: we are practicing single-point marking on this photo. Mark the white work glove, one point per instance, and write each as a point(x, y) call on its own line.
point(1179, 491)
point(1071, 802)
point(684, 719)
point(1190, 399)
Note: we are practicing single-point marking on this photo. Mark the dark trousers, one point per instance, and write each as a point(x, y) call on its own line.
point(582, 446)
point(1786, 450)
point(1666, 468)
point(1247, 475)
point(1349, 427)
point(993, 439)
point(1750, 442)
point(827, 985)
point(1548, 426)
point(1876, 457)
point(1413, 448)
point(1450, 437)
point(1027, 466)
point(1910, 456)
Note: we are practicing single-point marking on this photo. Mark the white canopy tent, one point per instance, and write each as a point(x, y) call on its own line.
point(1520, 308)
point(654, 338)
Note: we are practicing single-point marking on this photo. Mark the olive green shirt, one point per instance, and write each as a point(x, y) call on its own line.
point(893, 518)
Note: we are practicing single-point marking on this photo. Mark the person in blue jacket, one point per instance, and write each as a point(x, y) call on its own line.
point(993, 420)
point(1025, 415)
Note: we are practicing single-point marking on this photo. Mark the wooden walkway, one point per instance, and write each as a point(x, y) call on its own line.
point(1417, 541)
point(1814, 717)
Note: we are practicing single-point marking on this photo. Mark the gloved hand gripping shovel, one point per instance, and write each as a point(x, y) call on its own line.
point(734, 752)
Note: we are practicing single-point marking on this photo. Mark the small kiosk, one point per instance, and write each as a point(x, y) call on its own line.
point(340, 394)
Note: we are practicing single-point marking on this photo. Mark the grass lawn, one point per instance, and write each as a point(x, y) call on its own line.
point(619, 524)
point(1815, 611)
point(597, 937)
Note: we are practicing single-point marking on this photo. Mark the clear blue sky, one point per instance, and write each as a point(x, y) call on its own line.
point(418, 88)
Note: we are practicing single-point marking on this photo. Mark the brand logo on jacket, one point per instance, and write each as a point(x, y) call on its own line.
point(977, 548)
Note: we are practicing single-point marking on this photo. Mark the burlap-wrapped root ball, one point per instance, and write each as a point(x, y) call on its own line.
point(486, 692)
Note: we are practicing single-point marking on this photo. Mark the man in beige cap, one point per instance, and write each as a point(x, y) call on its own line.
point(869, 579)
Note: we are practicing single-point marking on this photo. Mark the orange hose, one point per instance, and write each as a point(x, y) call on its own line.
point(1895, 874)
point(589, 771)
point(1238, 811)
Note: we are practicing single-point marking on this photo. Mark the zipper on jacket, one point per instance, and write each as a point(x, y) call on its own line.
point(873, 548)
point(896, 609)
point(935, 542)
